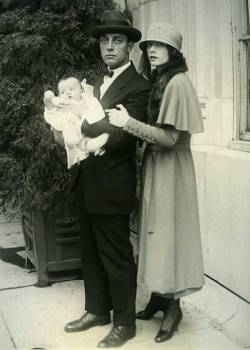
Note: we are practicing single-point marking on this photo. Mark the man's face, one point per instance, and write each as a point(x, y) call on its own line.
point(115, 49)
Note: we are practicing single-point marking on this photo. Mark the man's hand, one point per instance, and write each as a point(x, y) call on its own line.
point(75, 107)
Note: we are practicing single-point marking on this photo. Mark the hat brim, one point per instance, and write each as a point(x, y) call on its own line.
point(132, 33)
point(143, 44)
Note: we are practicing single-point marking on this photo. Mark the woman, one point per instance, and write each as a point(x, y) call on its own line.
point(170, 257)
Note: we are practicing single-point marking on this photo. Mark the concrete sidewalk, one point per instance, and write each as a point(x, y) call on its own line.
point(33, 318)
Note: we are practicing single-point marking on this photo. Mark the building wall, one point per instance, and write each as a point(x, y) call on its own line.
point(222, 173)
point(224, 200)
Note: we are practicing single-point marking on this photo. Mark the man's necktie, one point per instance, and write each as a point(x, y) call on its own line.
point(109, 73)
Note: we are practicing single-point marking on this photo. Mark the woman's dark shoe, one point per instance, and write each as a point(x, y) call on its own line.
point(156, 303)
point(146, 314)
point(169, 324)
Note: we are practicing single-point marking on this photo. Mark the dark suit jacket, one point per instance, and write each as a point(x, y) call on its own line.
point(109, 181)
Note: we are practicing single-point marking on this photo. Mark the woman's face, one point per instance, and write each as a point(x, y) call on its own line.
point(157, 53)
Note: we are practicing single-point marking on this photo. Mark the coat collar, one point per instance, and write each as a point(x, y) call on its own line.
point(120, 83)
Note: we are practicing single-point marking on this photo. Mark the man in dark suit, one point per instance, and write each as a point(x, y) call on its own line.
point(106, 187)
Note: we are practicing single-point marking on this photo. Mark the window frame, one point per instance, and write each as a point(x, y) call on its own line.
point(245, 86)
point(241, 59)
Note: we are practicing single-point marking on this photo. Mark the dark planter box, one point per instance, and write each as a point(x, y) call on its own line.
point(52, 245)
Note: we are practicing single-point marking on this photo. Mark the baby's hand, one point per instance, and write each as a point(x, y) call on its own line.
point(48, 95)
point(47, 98)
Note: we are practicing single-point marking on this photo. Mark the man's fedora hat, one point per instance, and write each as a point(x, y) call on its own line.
point(116, 22)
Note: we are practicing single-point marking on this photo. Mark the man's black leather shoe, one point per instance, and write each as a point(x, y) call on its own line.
point(117, 337)
point(87, 321)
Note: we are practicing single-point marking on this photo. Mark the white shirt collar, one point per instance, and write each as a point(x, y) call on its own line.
point(107, 81)
point(119, 70)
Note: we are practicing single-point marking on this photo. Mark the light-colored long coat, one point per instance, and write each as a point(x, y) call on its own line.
point(170, 256)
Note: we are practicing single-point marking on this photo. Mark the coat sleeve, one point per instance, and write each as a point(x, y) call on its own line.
point(163, 137)
point(136, 104)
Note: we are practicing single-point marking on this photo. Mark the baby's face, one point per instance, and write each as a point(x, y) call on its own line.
point(70, 89)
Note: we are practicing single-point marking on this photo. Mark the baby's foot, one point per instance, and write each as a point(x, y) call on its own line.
point(99, 152)
point(97, 142)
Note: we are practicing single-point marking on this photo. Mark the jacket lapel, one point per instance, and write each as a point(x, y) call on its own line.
point(115, 89)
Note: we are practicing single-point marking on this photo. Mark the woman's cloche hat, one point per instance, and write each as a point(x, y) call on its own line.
point(116, 22)
point(164, 33)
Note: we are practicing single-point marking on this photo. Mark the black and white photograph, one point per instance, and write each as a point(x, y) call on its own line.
point(124, 174)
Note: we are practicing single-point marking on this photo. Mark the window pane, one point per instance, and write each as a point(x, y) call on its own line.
point(248, 85)
point(248, 66)
point(248, 8)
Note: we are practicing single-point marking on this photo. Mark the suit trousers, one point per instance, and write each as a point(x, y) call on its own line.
point(109, 269)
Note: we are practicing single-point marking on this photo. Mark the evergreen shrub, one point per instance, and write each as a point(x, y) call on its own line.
point(40, 41)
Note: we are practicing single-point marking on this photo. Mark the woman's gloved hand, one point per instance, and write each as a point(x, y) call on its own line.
point(118, 117)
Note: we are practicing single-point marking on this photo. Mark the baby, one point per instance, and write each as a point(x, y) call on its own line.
point(78, 146)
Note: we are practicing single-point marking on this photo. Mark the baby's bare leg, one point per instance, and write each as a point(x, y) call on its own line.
point(83, 144)
point(71, 136)
point(93, 144)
